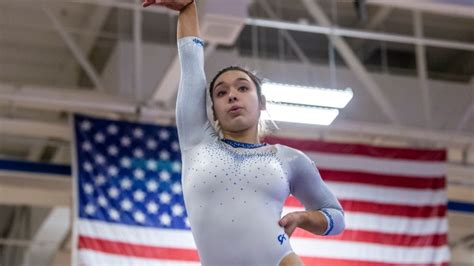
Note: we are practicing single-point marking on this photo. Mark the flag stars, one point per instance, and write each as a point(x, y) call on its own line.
point(126, 183)
point(114, 214)
point(102, 201)
point(151, 165)
point(113, 170)
point(165, 198)
point(176, 188)
point(126, 205)
point(139, 174)
point(87, 166)
point(99, 138)
point(165, 176)
point(139, 217)
point(86, 125)
point(152, 186)
point(164, 155)
point(138, 133)
point(139, 195)
point(88, 188)
point(112, 150)
point(176, 167)
point(165, 219)
point(90, 209)
point(100, 180)
point(164, 134)
point(177, 210)
point(175, 146)
point(112, 129)
point(86, 146)
point(152, 207)
point(113, 192)
point(151, 144)
point(138, 153)
point(125, 141)
point(125, 162)
point(100, 159)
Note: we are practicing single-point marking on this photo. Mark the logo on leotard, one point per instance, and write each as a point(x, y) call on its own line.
point(281, 238)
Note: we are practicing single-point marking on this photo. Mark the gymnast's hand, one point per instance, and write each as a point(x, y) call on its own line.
point(177, 5)
point(291, 221)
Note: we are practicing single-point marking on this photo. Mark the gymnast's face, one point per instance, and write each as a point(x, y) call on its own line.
point(236, 104)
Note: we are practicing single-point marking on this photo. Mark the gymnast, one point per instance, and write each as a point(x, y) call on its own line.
point(234, 186)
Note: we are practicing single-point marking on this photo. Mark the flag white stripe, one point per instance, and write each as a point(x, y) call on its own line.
point(378, 165)
point(369, 252)
point(91, 257)
point(136, 235)
point(388, 195)
point(390, 224)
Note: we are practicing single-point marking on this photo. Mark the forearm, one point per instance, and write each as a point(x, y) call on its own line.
point(314, 222)
point(188, 24)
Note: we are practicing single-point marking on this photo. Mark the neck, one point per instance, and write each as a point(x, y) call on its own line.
point(247, 136)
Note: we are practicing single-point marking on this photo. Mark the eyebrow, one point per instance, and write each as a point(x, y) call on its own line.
point(238, 79)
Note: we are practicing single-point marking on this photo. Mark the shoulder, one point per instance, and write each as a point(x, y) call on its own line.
point(294, 159)
point(291, 154)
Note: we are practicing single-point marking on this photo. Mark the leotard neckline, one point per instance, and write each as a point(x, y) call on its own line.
point(238, 144)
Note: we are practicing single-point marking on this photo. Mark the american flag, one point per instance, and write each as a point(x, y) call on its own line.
point(394, 202)
point(130, 209)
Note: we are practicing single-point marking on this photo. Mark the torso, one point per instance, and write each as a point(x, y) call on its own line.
point(234, 198)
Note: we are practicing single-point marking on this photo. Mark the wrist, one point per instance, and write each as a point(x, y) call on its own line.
point(187, 5)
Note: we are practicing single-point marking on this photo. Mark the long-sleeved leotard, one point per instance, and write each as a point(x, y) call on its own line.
point(234, 195)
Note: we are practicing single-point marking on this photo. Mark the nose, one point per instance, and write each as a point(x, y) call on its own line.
point(232, 97)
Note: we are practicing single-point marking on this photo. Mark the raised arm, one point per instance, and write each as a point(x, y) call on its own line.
point(324, 214)
point(191, 116)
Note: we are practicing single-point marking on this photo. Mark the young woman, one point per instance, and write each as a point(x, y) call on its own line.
point(235, 186)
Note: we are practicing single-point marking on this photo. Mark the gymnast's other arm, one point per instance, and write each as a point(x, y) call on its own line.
point(323, 214)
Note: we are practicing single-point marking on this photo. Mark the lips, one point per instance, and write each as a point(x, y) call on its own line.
point(235, 109)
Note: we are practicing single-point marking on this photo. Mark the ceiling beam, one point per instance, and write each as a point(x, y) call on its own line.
point(286, 34)
point(468, 113)
point(429, 6)
point(422, 69)
point(93, 24)
point(74, 48)
point(369, 35)
point(354, 64)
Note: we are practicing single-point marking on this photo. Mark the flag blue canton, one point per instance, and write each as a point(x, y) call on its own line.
point(129, 173)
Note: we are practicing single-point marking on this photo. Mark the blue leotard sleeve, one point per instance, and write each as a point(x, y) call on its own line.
point(191, 116)
point(307, 186)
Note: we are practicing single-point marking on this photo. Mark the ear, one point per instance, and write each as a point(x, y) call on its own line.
point(263, 103)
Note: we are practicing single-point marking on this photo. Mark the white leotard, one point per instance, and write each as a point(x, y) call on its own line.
point(234, 195)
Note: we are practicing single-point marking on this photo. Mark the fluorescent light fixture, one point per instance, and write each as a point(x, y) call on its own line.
point(300, 114)
point(307, 95)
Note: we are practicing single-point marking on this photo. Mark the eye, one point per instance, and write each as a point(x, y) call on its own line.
point(243, 88)
point(220, 93)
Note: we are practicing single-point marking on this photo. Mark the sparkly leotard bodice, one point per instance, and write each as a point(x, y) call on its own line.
point(234, 192)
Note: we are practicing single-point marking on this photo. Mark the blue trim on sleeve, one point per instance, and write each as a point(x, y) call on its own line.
point(198, 41)
point(330, 222)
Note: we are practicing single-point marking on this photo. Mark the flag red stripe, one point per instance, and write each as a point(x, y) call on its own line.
point(434, 240)
point(135, 250)
point(360, 149)
point(311, 261)
point(383, 180)
point(382, 208)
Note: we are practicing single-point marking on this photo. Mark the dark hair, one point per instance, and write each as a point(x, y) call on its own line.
point(256, 80)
